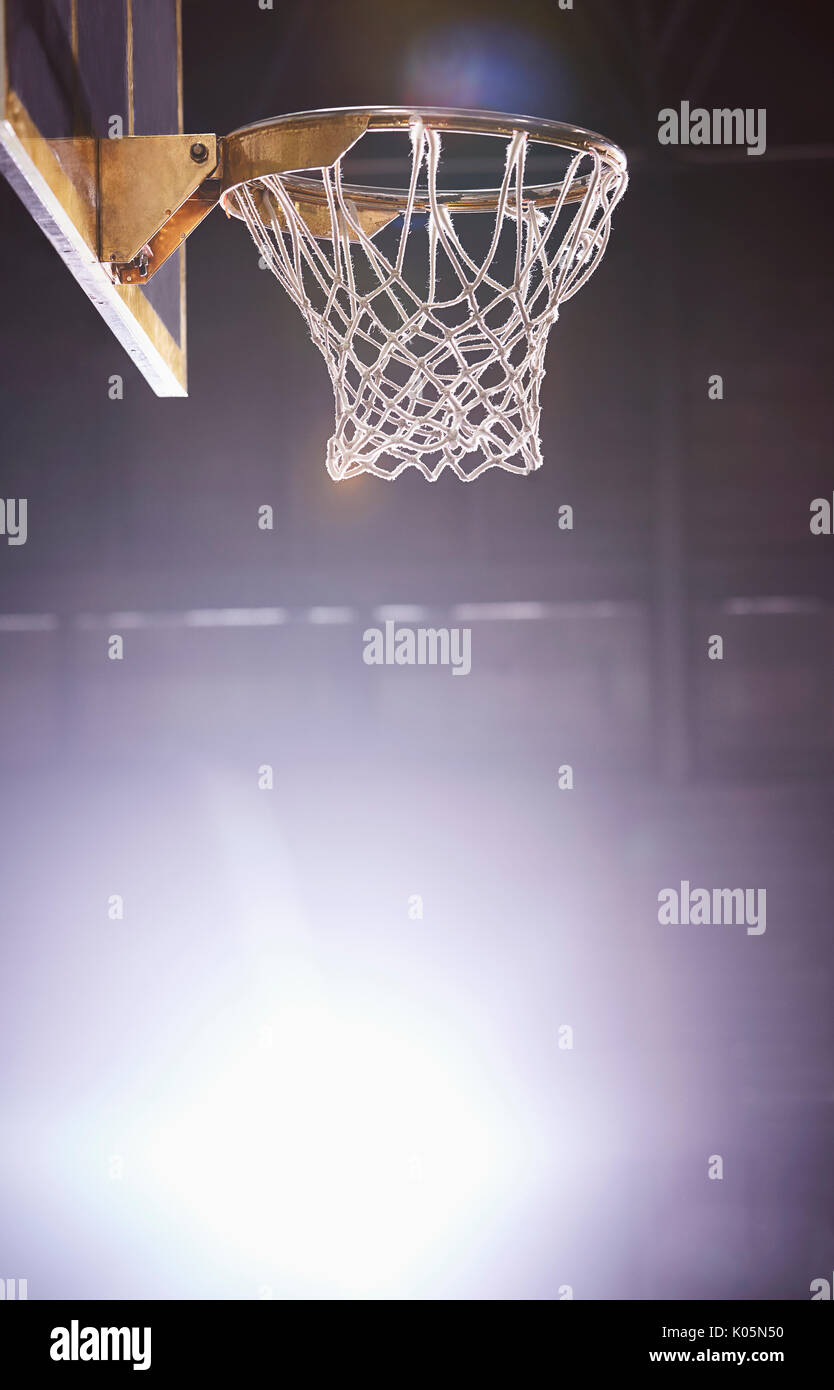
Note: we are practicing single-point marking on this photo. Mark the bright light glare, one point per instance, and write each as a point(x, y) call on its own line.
point(340, 1158)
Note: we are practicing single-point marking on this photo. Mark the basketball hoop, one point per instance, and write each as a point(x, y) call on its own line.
point(431, 307)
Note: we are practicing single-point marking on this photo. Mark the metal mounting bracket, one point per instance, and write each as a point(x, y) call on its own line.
point(153, 191)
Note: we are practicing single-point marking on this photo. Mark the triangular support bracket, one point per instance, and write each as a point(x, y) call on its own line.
point(153, 191)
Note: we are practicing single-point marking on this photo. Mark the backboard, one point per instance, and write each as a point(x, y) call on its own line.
point(71, 71)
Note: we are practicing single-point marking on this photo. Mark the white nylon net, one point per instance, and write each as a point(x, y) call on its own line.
point(436, 360)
